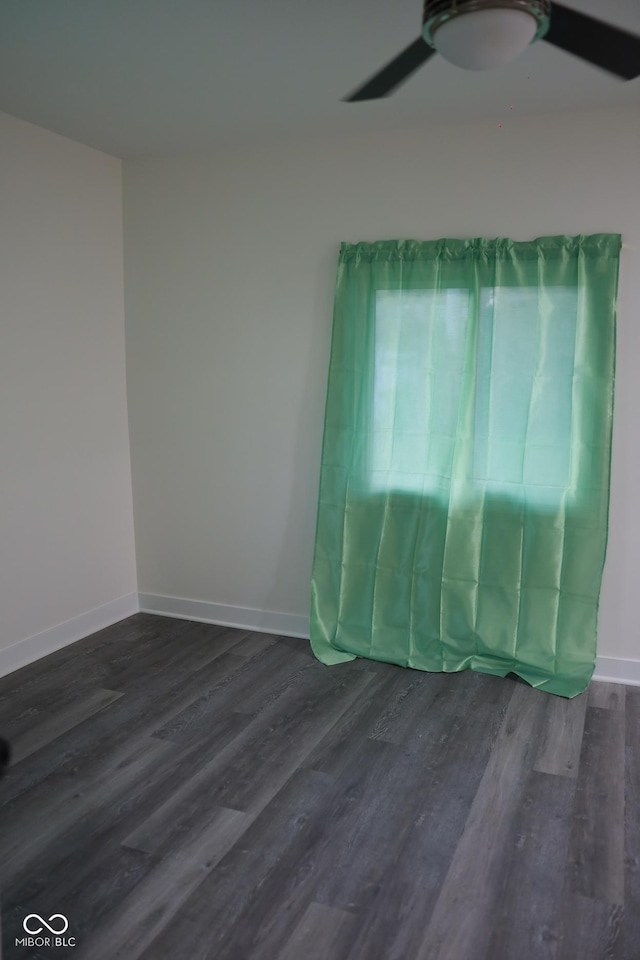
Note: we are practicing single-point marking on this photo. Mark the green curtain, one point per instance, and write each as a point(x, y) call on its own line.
point(464, 488)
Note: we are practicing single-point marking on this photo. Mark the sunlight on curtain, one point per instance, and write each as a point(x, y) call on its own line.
point(419, 342)
point(464, 488)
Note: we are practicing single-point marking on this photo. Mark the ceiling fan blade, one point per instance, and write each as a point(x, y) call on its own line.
point(395, 72)
point(611, 48)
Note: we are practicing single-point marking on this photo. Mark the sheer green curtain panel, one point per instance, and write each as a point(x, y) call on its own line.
point(464, 490)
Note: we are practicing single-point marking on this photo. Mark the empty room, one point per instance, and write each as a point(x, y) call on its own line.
point(319, 522)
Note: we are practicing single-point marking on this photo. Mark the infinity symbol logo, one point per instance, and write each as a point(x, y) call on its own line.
point(54, 916)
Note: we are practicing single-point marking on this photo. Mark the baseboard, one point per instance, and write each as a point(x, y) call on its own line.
point(611, 669)
point(247, 618)
point(33, 648)
point(616, 670)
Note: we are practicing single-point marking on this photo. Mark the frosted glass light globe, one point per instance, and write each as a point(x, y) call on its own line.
point(483, 39)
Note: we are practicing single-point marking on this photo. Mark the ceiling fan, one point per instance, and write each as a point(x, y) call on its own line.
point(480, 34)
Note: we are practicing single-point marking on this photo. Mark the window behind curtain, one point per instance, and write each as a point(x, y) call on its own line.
point(523, 387)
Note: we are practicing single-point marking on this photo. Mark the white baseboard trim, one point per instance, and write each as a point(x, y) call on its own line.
point(610, 669)
point(616, 670)
point(33, 648)
point(246, 618)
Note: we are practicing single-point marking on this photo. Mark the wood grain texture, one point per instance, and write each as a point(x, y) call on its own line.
point(321, 933)
point(596, 850)
point(52, 724)
point(472, 886)
point(190, 851)
point(29, 832)
point(156, 697)
point(226, 915)
point(608, 696)
point(192, 792)
point(531, 884)
point(591, 930)
point(561, 736)
point(631, 926)
point(450, 769)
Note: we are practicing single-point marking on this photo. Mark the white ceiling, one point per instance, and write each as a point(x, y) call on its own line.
point(158, 77)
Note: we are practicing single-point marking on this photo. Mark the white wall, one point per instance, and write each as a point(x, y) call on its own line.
point(66, 527)
point(230, 265)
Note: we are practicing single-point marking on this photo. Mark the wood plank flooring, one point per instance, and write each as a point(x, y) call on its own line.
point(182, 791)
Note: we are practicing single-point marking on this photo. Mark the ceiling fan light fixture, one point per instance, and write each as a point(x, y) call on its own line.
point(483, 34)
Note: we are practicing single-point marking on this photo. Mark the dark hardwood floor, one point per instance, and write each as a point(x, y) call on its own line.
point(186, 791)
